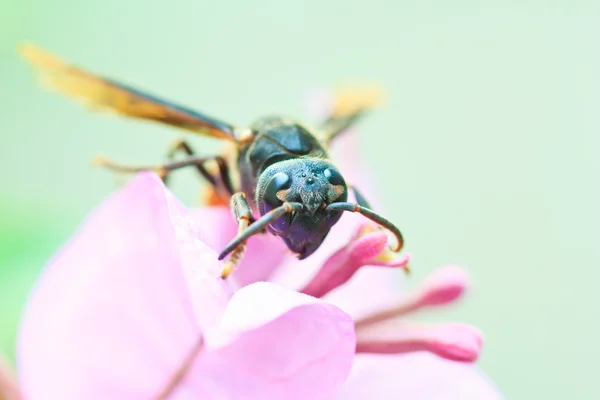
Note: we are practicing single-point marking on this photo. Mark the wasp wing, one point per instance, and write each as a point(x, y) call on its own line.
point(348, 104)
point(105, 94)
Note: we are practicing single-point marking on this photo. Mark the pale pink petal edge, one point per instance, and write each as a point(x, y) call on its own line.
point(416, 376)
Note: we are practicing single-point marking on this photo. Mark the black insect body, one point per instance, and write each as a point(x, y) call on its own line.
point(285, 163)
point(279, 168)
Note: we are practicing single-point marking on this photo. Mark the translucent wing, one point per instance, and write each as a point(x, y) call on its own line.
point(105, 94)
point(347, 106)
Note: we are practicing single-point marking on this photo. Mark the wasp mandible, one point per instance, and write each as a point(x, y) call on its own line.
point(281, 165)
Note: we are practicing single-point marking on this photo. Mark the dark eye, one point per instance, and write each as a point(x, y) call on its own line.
point(280, 181)
point(334, 177)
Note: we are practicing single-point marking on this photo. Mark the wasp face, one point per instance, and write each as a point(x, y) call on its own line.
point(315, 184)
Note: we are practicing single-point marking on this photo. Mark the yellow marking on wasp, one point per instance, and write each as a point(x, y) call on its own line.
point(244, 135)
point(338, 190)
point(282, 194)
point(211, 197)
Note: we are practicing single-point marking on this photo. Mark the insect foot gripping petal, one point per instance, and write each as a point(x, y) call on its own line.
point(237, 254)
point(236, 257)
point(243, 214)
point(248, 229)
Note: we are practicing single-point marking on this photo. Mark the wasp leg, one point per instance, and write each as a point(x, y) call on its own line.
point(220, 161)
point(182, 145)
point(243, 214)
point(162, 170)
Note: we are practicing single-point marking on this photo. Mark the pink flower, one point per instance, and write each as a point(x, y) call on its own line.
point(133, 308)
point(8, 387)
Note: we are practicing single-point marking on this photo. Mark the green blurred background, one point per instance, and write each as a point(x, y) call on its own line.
point(485, 150)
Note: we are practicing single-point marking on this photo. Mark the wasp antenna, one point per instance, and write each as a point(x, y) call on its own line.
point(259, 225)
point(373, 216)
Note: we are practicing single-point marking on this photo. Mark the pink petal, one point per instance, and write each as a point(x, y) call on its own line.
point(357, 297)
point(415, 376)
point(296, 273)
point(112, 318)
point(8, 385)
point(125, 302)
point(274, 343)
point(445, 285)
point(264, 253)
point(344, 263)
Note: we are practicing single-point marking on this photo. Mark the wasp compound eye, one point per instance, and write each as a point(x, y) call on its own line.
point(272, 198)
point(334, 177)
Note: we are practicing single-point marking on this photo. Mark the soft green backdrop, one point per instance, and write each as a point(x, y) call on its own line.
point(485, 151)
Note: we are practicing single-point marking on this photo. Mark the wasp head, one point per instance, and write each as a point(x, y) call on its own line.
point(314, 183)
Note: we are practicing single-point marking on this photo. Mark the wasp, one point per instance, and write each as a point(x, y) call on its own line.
point(278, 168)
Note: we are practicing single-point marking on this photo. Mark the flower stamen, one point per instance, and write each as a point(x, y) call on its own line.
point(386, 332)
point(443, 286)
point(453, 341)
